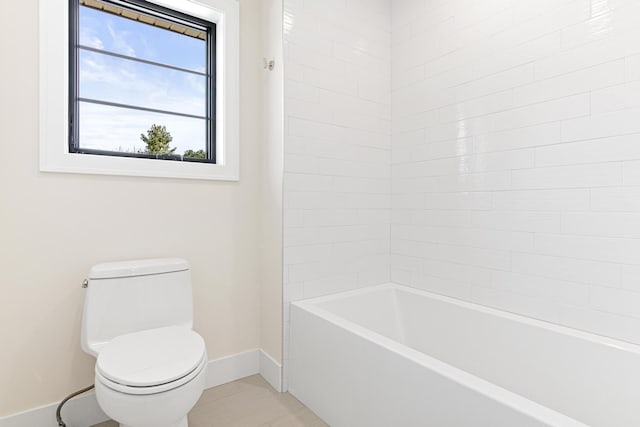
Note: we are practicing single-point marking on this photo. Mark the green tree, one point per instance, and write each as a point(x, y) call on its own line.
point(200, 154)
point(158, 140)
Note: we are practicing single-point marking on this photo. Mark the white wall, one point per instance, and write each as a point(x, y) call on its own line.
point(337, 146)
point(516, 156)
point(53, 227)
point(271, 210)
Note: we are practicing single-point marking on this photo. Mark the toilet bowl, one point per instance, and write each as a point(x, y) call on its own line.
point(150, 365)
point(151, 378)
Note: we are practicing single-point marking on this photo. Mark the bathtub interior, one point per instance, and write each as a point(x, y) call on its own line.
point(591, 379)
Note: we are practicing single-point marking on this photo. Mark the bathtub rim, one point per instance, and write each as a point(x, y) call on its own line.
point(308, 303)
point(492, 391)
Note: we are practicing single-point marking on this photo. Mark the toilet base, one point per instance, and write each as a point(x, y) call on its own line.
point(151, 410)
point(182, 423)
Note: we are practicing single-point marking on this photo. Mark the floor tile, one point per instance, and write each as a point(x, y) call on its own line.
point(249, 402)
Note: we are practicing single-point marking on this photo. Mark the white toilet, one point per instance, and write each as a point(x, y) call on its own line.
point(138, 318)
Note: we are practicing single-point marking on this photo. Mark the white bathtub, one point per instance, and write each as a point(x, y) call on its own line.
point(392, 356)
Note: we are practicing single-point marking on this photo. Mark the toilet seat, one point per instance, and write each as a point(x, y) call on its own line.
point(151, 361)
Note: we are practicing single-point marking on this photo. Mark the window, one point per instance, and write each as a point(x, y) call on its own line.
point(124, 83)
point(141, 81)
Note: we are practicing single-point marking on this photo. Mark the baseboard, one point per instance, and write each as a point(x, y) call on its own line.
point(271, 370)
point(231, 368)
point(81, 411)
point(84, 411)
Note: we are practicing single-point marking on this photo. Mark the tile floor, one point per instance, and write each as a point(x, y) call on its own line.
point(249, 402)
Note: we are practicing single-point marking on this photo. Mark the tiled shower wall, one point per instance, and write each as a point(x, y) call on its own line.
point(337, 182)
point(516, 156)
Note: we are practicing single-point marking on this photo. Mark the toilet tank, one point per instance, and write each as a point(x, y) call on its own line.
point(132, 296)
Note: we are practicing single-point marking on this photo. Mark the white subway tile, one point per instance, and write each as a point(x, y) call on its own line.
point(486, 238)
point(354, 104)
point(511, 78)
point(487, 104)
point(407, 77)
point(461, 201)
point(329, 285)
point(359, 56)
point(309, 129)
point(516, 159)
point(414, 121)
point(304, 182)
point(312, 235)
point(423, 150)
point(308, 199)
point(602, 125)
point(539, 222)
point(550, 111)
point(588, 55)
point(439, 285)
point(306, 254)
point(617, 199)
point(601, 249)
point(322, 217)
point(476, 257)
point(533, 136)
point(403, 277)
point(342, 184)
point(609, 149)
point(521, 48)
point(559, 291)
point(309, 111)
point(368, 248)
point(489, 181)
point(542, 200)
point(607, 224)
point(371, 273)
point(335, 81)
point(631, 277)
point(430, 268)
point(363, 201)
point(432, 217)
point(537, 307)
point(569, 269)
point(295, 90)
point(616, 98)
point(632, 67)
point(599, 76)
point(616, 301)
point(305, 41)
point(382, 217)
point(408, 201)
point(580, 176)
point(292, 217)
point(607, 19)
point(631, 173)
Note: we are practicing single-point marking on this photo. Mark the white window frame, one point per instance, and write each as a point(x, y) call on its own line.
point(54, 94)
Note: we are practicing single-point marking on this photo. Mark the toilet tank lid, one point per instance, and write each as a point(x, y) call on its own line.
point(112, 270)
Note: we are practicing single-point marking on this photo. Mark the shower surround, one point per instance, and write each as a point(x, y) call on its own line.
point(486, 151)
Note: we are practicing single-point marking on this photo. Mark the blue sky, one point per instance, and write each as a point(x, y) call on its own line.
point(130, 82)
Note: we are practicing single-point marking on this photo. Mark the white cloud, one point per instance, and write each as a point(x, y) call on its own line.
point(143, 85)
point(120, 42)
point(89, 37)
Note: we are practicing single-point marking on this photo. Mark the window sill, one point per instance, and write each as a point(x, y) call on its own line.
point(131, 166)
